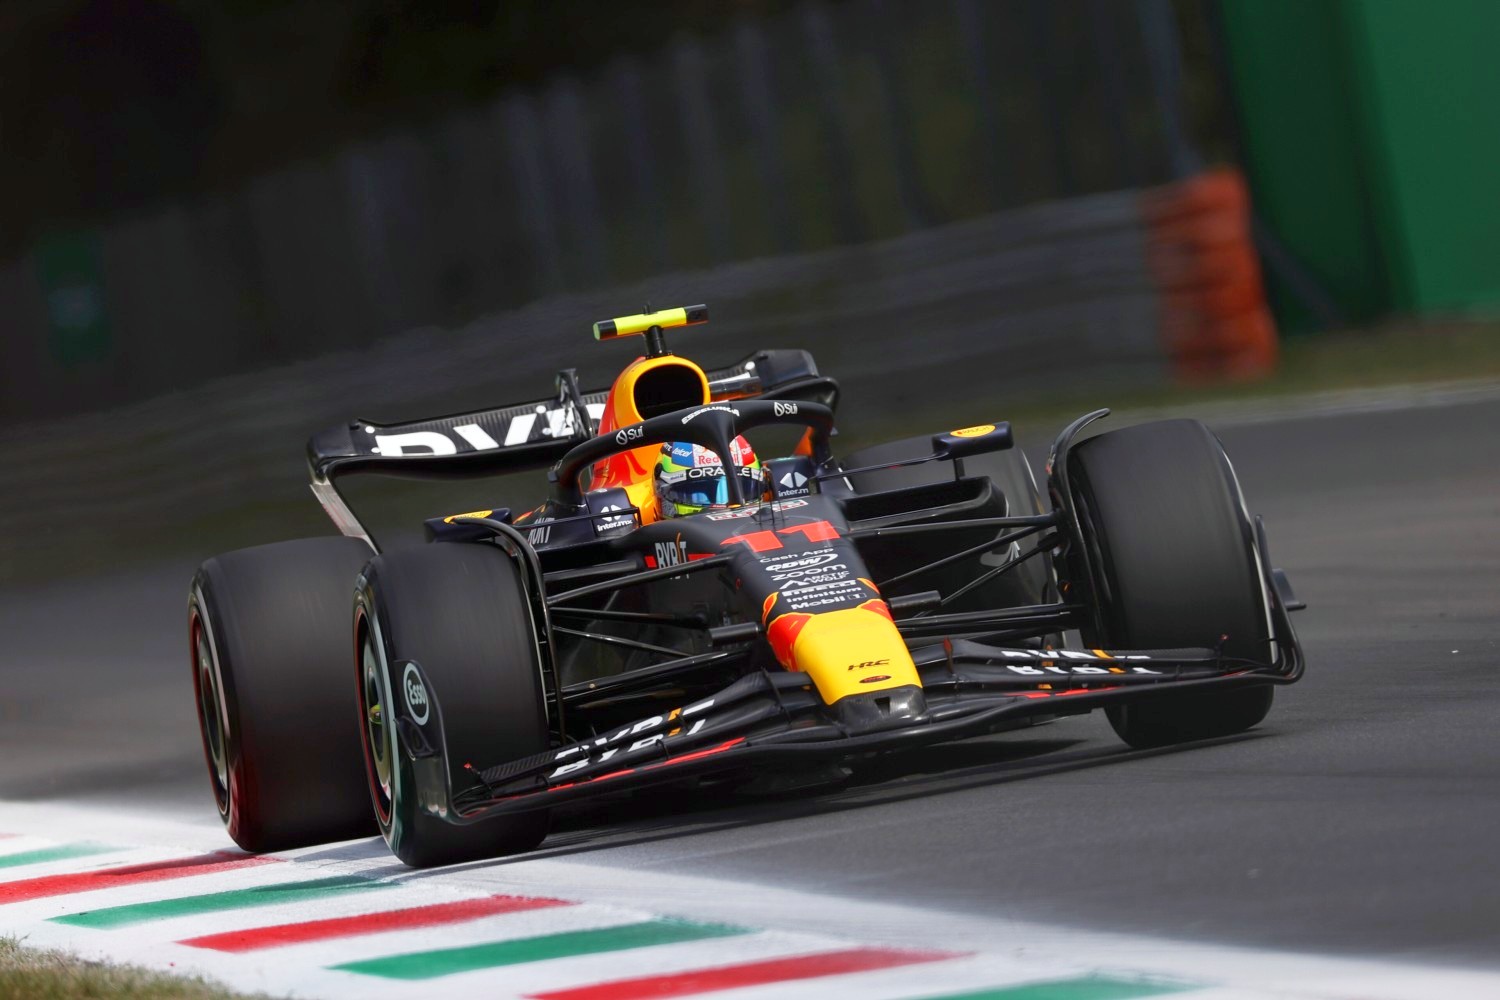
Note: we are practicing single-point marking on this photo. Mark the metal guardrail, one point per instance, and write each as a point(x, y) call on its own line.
point(822, 124)
point(988, 307)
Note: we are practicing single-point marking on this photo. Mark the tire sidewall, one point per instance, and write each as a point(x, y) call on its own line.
point(242, 807)
point(230, 785)
point(275, 623)
point(1120, 631)
point(415, 835)
point(1129, 621)
point(368, 630)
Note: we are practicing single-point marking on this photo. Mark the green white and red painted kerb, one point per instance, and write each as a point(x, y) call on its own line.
point(347, 921)
point(510, 939)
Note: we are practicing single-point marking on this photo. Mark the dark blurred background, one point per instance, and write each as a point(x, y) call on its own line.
point(228, 222)
point(200, 187)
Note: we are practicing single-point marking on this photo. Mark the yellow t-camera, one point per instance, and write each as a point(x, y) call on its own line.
point(633, 326)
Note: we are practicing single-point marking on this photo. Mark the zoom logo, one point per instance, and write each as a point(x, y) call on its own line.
point(416, 694)
point(788, 566)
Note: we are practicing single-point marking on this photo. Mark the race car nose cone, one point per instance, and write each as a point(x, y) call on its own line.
point(888, 709)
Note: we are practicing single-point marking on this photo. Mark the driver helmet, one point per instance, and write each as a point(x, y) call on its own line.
point(690, 478)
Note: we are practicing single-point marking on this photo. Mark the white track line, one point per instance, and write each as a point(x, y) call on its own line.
point(786, 923)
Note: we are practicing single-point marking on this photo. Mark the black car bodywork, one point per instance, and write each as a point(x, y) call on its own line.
point(656, 660)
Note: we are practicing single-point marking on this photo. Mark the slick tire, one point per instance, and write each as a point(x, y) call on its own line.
point(271, 638)
point(460, 611)
point(1009, 471)
point(1166, 527)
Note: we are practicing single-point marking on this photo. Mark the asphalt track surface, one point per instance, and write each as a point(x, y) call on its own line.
point(1361, 819)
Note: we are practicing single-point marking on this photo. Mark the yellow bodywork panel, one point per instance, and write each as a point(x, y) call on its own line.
point(631, 470)
point(473, 513)
point(853, 651)
point(621, 409)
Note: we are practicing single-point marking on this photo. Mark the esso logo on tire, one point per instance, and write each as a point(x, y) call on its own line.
point(416, 694)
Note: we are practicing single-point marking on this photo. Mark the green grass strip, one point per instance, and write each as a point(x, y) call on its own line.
point(57, 975)
point(60, 853)
point(1087, 988)
point(262, 895)
point(447, 961)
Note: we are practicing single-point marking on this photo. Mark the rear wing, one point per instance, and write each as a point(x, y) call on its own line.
point(459, 445)
point(522, 436)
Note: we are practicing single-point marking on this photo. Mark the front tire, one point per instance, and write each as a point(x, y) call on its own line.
point(1176, 566)
point(270, 640)
point(460, 611)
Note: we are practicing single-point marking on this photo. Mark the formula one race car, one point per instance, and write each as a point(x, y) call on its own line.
point(678, 611)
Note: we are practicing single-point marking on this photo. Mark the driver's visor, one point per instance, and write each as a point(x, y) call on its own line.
point(709, 488)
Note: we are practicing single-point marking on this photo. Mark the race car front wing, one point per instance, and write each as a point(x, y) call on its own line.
point(968, 689)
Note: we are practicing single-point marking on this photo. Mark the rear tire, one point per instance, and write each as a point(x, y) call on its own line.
point(269, 629)
point(1175, 553)
point(460, 611)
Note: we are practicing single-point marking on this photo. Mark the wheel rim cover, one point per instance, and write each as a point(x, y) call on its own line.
point(210, 716)
point(377, 737)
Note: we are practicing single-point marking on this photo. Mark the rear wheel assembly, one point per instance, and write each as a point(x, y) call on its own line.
point(270, 637)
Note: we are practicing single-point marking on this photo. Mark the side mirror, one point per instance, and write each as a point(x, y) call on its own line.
point(968, 441)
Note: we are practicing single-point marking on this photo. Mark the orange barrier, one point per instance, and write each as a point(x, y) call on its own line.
point(1215, 321)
